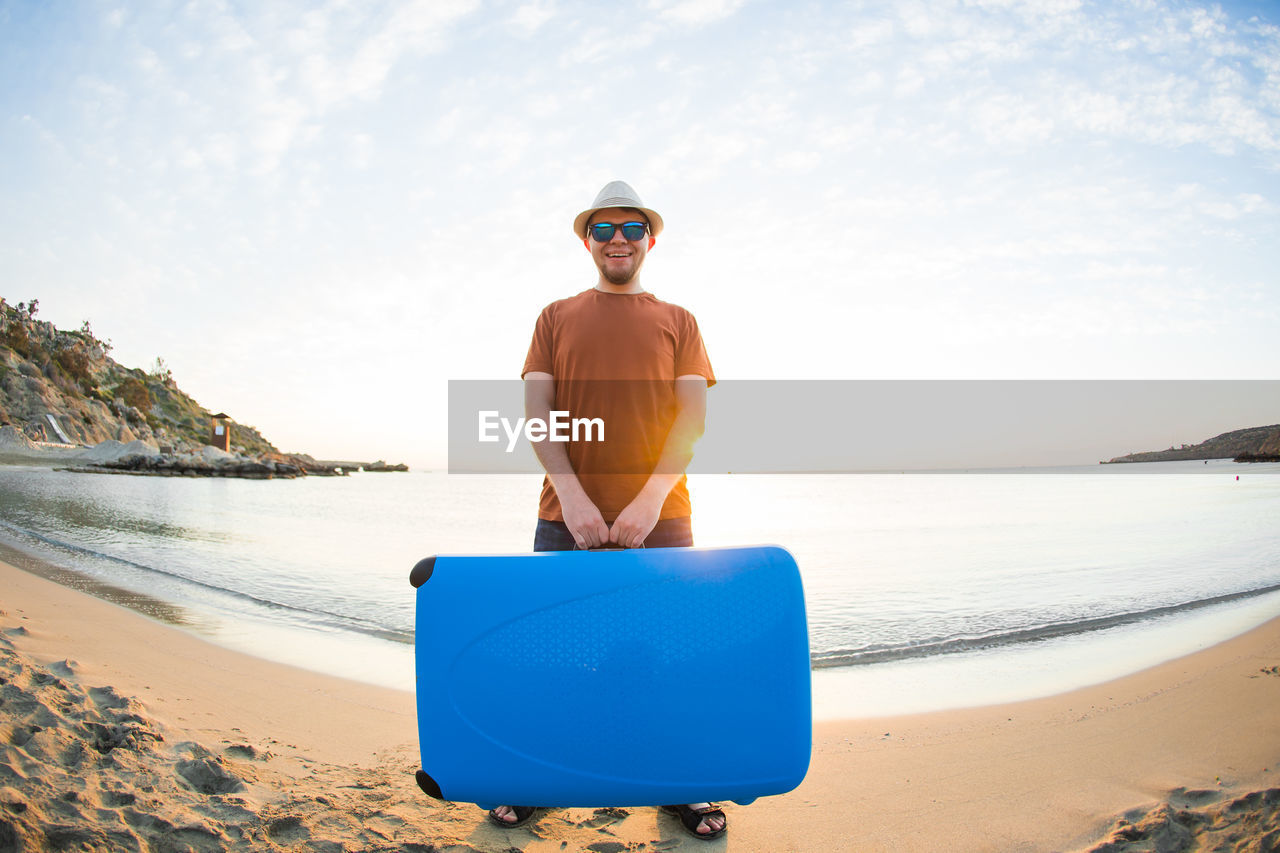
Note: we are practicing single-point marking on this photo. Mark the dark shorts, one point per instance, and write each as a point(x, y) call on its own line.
point(667, 533)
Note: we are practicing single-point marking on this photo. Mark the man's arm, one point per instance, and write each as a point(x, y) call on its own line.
point(580, 515)
point(634, 524)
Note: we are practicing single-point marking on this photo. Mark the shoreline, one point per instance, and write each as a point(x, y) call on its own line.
point(983, 675)
point(314, 753)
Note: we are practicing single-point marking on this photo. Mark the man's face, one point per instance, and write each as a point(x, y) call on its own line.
point(619, 259)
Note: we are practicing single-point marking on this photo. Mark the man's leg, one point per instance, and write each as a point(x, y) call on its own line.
point(553, 536)
point(548, 536)
point(671, 533)
point(678, 533)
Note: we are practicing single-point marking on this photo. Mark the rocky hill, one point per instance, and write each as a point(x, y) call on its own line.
point(1255, 444)
point(62, 386)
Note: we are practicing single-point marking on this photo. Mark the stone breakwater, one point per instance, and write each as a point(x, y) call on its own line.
point(185, 466)
point(207, 462)
point(143, 458)
point(146, 459)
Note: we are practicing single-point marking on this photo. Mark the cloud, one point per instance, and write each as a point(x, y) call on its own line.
point(864, 34)
point(699, 153)
point(361, 147)
point(530, 17)
point(149, 62)
point(271, 81)
point(695, 13)
point(599, 43)
point(935, 172)
point(416, 27)
point(1241, 206)
point(502, 143)
point(1005, 119)
point(339, 64)
point(1168, 76)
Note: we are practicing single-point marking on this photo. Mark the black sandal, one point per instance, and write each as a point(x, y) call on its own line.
point(523, 814)
point(691, 817)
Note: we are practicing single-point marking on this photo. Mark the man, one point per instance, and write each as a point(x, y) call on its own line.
point(617, 353)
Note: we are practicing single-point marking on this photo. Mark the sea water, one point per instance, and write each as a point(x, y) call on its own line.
point(923, 589)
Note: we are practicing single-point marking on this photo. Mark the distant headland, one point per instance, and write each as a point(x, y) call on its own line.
point(63, 398)
point(1255, 444)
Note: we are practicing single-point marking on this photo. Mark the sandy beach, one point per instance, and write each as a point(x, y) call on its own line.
point(118, 732)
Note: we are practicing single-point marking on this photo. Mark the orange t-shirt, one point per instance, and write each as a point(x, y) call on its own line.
point(615, 357)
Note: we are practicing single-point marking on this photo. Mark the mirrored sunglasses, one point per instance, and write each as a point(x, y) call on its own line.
point(602, 232)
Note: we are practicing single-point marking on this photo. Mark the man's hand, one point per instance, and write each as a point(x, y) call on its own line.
point(584, 521)
point(634, 524)
point(580, 514)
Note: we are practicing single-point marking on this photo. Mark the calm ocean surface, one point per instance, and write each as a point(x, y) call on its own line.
point(924, 590)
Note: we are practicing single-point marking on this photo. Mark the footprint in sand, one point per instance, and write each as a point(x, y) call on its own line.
point(288, 828)
point(601, 818)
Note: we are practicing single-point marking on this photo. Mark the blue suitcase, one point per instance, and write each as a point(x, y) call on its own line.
point(612, 678)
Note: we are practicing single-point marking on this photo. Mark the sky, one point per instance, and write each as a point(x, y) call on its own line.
point(318, 214)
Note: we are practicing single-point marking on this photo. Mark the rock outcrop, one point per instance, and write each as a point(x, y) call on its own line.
point(1255, 444)
point(61, 391)
point(63, 387)
point(14, 439)
point(382, 466)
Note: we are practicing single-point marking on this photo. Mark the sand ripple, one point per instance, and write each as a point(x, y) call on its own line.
point(1200, 820)
point(83, 768)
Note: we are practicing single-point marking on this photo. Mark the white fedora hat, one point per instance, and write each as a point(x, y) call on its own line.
point(617, 194)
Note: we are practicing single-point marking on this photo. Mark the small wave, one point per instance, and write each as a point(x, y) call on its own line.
point(311, 614)
point(953, 645)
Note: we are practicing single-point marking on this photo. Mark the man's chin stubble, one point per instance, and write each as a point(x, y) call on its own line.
point(619, 278)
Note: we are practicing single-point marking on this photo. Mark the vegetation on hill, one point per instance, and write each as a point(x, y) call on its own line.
point(1254, 444)
point(57, 384)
